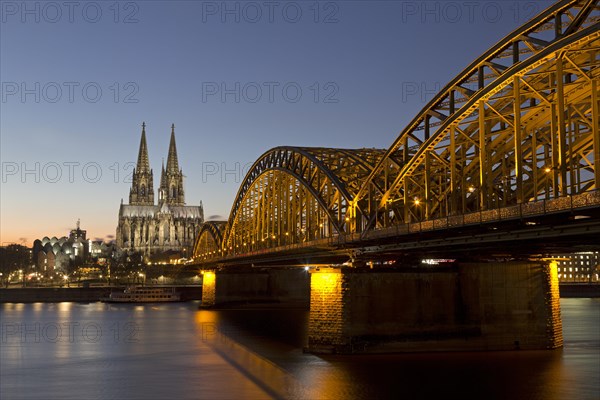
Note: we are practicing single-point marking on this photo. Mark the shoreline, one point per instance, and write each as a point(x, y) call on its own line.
point(79, 294)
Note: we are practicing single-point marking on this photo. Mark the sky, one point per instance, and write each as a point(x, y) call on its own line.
point(235, 77)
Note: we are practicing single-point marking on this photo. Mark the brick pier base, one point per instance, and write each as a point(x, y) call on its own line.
point(473, 306)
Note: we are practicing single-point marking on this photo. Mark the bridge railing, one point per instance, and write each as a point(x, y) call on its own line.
point(519, 211)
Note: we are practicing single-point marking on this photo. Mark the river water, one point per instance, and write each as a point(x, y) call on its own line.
point(175, 351)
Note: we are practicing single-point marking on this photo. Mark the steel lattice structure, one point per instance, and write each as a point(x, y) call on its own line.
point(520, 124)
point(293, 195)
point(208, 242)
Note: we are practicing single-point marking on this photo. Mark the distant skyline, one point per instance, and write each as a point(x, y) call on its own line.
point(236, 78)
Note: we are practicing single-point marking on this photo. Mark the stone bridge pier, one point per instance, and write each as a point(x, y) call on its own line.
point(471, 306)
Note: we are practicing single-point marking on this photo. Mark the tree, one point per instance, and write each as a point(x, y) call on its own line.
point(14, 257)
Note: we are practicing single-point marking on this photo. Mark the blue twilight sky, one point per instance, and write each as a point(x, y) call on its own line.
point(236, 78)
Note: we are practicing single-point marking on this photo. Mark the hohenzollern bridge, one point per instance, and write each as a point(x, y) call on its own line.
point(499, 168)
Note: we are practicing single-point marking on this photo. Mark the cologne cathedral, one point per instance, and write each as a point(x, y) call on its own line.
point(169, 225)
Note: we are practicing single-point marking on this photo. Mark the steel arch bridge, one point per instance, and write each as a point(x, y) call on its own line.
point(519, 125)
point(209, 239)
point(291, 195)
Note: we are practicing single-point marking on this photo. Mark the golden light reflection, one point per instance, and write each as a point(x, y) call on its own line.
point(37, 307)
point(65, 307)
point(267, 375)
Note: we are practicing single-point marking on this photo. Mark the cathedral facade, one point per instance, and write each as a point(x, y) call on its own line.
point(168, 225)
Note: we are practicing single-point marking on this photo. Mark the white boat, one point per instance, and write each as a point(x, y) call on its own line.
point(142, 294)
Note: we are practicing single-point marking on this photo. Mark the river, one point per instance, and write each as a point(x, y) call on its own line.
point(162, 351)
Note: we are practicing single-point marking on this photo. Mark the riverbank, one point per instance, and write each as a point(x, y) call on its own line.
point(55, 295)
point(579, 290)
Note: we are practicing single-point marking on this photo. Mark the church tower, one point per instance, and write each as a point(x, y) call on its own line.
point(142, 186)
point(171, 178)
point(157, 230)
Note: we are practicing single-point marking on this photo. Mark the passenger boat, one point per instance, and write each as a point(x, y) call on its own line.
point(142, 294)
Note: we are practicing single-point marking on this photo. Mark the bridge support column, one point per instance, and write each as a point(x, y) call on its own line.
point(209, 288)
point(274, 286)
point(474, 306)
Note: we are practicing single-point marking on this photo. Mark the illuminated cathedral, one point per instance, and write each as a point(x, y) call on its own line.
point(167, 226)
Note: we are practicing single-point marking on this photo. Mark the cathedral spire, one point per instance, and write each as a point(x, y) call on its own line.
point(143, 164)
point(171, 180)
point(142, 191)
point(162, 174)
point(162, 188)
point(172, 163)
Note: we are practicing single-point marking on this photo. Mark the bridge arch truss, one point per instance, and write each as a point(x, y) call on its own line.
point(520, 124)
point(293, 195)
point(209, 240)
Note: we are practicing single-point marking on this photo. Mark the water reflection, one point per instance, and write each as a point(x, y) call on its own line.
point(470, 375)
point(72, 350)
